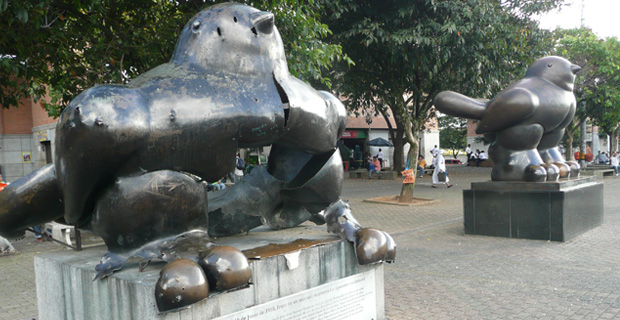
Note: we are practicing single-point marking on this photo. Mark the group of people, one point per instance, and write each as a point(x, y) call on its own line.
point(613, 160)
point(478, 156)
point(602, 158)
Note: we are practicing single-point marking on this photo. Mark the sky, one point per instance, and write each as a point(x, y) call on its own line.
point(602, 16)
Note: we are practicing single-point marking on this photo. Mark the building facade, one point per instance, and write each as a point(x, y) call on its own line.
point(26, 139)
point(360, 130)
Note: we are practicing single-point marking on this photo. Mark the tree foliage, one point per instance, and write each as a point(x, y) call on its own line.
point(407, 51)
point(63, 47)
point(597, 86)
point(453, 133)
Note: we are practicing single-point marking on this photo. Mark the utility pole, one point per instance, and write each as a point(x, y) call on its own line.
point(582, 138)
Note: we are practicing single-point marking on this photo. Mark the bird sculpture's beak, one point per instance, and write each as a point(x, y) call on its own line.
point(575, 68)
point(263, 21)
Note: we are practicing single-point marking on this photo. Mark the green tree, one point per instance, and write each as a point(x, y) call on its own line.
point(407, 51)
point(63, 47)
point(452, 133)
point(597, 86)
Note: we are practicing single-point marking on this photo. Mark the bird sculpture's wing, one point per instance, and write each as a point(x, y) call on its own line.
point(458, 105)
point(508, 108)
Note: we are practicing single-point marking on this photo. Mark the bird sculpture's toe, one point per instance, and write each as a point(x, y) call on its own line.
point(565, 169)
point(553, 172)
point(574, 168)
point(182, 283)
point(226, 268)
point(535, 173)
point(373, 246)
point(109, 263)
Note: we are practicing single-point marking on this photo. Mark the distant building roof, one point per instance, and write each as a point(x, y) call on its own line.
point(359, 122)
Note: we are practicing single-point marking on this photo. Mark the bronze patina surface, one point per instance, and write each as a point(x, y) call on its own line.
point(526, 122)
point(131, 160)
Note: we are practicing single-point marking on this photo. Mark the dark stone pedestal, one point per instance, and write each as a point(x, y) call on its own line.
point(556, 211)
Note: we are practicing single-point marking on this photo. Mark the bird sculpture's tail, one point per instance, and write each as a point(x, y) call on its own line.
point(458, 105)
point(29, 201)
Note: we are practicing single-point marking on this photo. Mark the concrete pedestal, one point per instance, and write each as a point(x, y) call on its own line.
point(556, 211)
point(300, 273)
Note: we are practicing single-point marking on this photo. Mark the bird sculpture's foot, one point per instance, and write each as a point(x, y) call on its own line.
point(553, 172)
point(183, 282)
point(192, 257)
point(564, 169)
point(574, 168)
point(371, 245)
point(226, 268)
point(535, 173)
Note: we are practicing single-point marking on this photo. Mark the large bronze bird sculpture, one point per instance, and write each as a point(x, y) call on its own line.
point(130, 159)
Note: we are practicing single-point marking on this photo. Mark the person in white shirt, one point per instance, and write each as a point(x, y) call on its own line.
point(472, 158)
point(239, 167)
point(468, 152)
point(380, 157)
point(602, 159)
point(440, 166)
point(481, 157)
point(615, 162)
point(433, 150)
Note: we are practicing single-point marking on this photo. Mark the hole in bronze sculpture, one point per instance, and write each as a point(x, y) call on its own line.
point(284, 99)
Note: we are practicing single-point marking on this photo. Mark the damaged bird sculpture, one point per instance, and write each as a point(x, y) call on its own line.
point(526, 121)
point(130, 159)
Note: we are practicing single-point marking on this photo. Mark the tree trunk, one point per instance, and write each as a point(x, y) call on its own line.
point(569, 149)
point(399, 143)
point(406, 192)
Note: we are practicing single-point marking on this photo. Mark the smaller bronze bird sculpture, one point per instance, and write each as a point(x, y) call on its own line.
point(526, 121)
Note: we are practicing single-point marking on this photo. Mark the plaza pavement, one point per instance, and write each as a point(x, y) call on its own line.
point(439, 272)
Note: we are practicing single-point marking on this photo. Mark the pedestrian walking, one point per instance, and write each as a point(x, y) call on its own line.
point(440, 168)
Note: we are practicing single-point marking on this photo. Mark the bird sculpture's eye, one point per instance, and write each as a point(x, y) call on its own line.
point(196, 25)
point(550, 65)
point(235, 19)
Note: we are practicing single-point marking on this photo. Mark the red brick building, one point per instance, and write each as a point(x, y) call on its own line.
point(26, 135)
